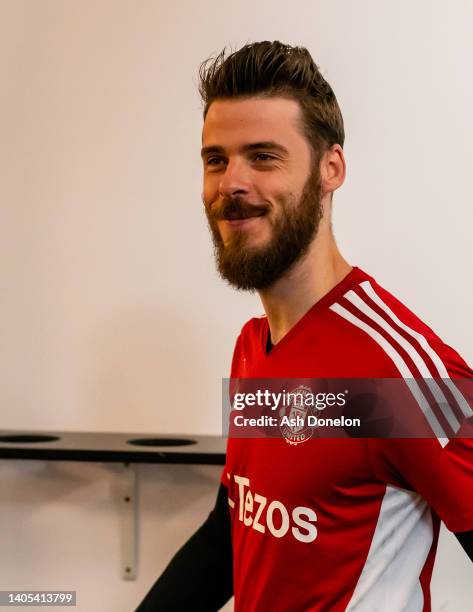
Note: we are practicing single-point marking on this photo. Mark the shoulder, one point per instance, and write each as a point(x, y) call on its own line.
point(380, 322)
point(251, 333)
point(253, 328)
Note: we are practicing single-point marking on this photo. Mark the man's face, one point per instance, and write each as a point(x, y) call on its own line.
point(261, 191)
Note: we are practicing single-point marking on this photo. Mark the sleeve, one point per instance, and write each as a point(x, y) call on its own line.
point(442, 476)
point(466, 540)
point(200, 575)
point(440, 470)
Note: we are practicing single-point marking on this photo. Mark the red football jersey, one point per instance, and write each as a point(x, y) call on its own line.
point(347, 524)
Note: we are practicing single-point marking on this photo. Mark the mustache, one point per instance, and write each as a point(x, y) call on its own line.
point(235, 208)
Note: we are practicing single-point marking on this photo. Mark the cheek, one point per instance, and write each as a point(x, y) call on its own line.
point(209, 191)
point(284, 206)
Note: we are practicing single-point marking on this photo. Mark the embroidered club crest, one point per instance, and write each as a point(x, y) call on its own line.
point(293, 417)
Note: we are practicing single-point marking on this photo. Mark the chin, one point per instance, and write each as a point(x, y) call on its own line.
point(249, 245)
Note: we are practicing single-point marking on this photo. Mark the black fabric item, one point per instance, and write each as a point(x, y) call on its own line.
point(200, 575)
point(466, 540)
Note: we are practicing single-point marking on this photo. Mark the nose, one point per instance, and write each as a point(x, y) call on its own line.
point(235, 179)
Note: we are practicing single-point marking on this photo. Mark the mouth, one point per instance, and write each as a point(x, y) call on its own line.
point(243, 216)
point(236, 216)
point(237, 222)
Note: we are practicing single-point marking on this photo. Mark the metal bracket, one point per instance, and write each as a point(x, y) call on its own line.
point(129, 522)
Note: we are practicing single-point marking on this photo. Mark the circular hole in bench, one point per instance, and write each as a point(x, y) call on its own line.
point(161, 442)
point(28, 438)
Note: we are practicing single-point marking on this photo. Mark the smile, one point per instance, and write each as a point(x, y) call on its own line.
point(240, 223)
point(248, 214)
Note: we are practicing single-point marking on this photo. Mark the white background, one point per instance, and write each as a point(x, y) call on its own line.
point(113, 318)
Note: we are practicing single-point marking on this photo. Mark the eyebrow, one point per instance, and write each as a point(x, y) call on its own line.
point(268, 144)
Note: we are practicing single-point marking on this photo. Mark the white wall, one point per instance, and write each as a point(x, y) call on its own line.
point(113, 317)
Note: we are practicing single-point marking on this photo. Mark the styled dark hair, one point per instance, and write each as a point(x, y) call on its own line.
point(273, 69)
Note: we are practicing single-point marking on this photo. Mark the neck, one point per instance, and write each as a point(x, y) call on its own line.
point(322, 267)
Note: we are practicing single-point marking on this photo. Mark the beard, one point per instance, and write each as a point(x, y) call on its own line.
point(254, 268)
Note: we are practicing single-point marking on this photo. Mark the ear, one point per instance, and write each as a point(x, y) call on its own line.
point(332, 169)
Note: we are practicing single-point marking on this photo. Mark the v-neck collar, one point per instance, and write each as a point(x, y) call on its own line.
point(353, 277)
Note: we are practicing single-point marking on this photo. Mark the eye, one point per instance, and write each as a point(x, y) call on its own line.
point(213, 161)
point(263, 157)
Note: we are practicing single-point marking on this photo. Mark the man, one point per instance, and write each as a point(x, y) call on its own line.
point(314, 524)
